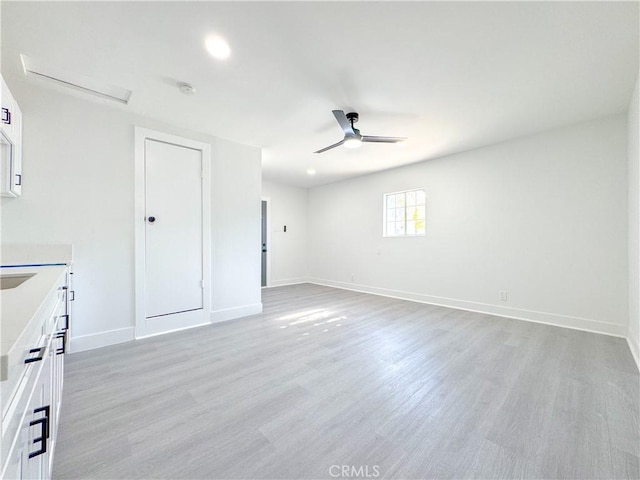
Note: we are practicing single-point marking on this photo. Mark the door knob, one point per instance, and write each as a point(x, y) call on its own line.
point(151, 219)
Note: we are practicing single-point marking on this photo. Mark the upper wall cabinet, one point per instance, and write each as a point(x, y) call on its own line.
point(10, 144)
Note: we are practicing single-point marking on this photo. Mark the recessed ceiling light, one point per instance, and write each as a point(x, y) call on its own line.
point(218, 47)
point(311, 171)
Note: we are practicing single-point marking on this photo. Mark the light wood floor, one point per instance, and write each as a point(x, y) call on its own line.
point(329, 377)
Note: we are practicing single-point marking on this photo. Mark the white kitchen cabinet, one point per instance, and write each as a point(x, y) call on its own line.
point(37, 424)
point(10, 144)
point(33, 369)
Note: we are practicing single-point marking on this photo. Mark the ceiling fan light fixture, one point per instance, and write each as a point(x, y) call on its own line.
point(352, 142)
point(352, 137)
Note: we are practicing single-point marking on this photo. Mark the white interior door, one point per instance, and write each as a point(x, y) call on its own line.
point(173, 234)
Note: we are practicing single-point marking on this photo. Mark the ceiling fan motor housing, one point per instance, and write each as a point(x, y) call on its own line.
point(352, 117)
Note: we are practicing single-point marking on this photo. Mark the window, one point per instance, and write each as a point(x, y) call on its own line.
point(404, 214)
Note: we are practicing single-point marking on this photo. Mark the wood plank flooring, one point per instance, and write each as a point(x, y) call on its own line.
point(330, 377)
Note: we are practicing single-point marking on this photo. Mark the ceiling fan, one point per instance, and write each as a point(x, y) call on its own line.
point(352, 137)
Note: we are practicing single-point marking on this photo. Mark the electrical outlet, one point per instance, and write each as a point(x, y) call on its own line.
point(503, 295)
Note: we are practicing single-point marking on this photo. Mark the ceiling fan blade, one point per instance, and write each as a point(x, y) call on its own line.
point(344, 122)
point(330, 147)
point(374, 139)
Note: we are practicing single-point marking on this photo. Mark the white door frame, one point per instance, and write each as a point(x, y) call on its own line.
point(142, 134)
point(268, 200)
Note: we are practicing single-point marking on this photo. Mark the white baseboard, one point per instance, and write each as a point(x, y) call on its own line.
point(288, 281)
point(102, 339)
point(236, 312)
point(121, 335)
point(566, 321)
point(635, 349)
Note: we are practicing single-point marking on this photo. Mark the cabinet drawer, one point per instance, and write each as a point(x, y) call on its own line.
point(58, 320)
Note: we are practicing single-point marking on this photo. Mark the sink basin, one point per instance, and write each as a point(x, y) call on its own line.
point(9, 280)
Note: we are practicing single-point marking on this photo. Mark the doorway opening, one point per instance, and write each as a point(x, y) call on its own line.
point(265, 244)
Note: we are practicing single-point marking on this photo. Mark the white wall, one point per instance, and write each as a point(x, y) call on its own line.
point(288, 250)
point(237, 179)
point(79, 188)
point(543, 217)
point(634, 225)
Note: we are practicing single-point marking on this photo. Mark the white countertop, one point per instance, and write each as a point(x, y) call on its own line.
point(19, 305)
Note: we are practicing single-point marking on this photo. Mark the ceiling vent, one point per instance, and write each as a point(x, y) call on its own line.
point(72, 80)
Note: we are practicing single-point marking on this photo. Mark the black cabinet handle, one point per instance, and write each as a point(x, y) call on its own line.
point(66, 322)
point(40, 356)
point(42, 438)
point(47, 416)
point(63, 335)
point(6, 116)
point(18, 179)
point(44, 432)
point(151, 219)
point(72, 295)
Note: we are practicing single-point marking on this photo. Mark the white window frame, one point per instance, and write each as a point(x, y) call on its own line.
point(384, 213)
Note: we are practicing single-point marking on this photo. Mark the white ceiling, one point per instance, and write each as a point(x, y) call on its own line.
point(451, 76)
